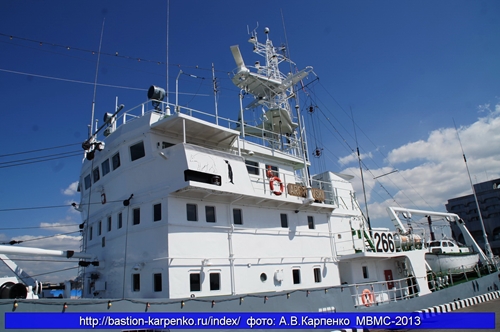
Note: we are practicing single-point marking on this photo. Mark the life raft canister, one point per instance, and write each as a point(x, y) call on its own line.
point(276, 191)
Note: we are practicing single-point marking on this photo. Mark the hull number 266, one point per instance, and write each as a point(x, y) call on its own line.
point(384, 242)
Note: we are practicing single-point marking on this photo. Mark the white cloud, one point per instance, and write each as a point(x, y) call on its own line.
point(432, 170)
point(71, 190)
point(353, 157)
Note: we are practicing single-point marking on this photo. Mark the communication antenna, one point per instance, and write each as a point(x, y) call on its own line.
point(487, 247)
point(95, 81)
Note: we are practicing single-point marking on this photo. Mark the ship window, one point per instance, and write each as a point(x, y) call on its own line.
point(103, 241)
point(263, 277)
point(194, 282)
point(296, 276)
point(284, 220)
point(192, 212)
point(317, 274)
point(136, 282)
point(90, 233)
point(120, 220)
point(365, 272)
point(451, 244)
point(157, 284)
point(105, 167)
point(445, 244)
point(137, 151)
point(87, 182)
point(237, 217)
point(272, 171)
point(435, 244)
point(215, 281)
point(157, 212)
point(96, 174)
point(109, 224)
point(99, 229)
point(165, 145)
point(137, 216)
point(310, 222)
point(210, 213)
point(252, 167)
point(116, 161)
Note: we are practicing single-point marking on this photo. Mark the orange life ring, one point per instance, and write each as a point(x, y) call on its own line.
point(367, 297)
point(103, 198)
point(271, 185)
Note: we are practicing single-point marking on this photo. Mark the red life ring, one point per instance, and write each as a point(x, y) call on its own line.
point(103, 198)
point(271, 185)
point(367, 297)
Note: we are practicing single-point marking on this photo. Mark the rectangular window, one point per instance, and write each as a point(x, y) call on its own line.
point(137, 216)
point(317, 274)
point(136, 282)
point(157, 212)
point(87, 182)
point(192, 212)
point(252, 167)
point(237, 217)
point(165, 145)
point(194, 282)
point(120, 220)
point(116, 160)
point(99, 229)
point(103, 241)
point(109, 224)
point(96, 174)
point(215, 281)
point(105, 167)
point(137, 151)
point(284, 220)
point(310, 222)
point(296, 276)
point(365, 272)
point(210, 213)
point(157, 284)
point(90, 233)
point(272, 171)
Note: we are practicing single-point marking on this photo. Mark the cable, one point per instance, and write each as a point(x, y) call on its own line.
point(38, 150)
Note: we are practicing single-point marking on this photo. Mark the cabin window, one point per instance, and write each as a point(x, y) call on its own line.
point(105, 167)
point(87, 182)
point(103, 241)
point(109, 224)
point(210, 213)
point(252, 167)
point(157, 283)
point(310, 222)
point(116, 161)
point(215, 281)
point(96, 174)
point(120, 220)
point(365, 272)
point(272, 171)
point(137, 151)
point(165, 145)
point(99, 229)
point(451, 244)
point(192, 212)
point(136, 282)
point(284, 220)
point(445, 244)
point(136, 216)
point(237, 217)
point(296, 276)
point(317, 274)
point(194, 282)
point(157, 212)
point(90, 233)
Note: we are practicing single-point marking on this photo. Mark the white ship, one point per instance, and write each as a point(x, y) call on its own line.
point(184, 210)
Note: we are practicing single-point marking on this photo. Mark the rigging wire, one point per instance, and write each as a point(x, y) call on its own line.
point(38, 150)
point(38, 238)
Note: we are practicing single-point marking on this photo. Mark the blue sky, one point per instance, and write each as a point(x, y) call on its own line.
point(407, 69)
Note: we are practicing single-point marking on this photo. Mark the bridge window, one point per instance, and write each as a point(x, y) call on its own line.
point(136, 216)
point(296, 276)
point(252, 167)
point(96, 174)
point(310, 222)
point(137, 151)
point(105, 167)
point(87, 181)
point(120, 220)
point(237, 217)
point(210, 213)
point(116, 161)
point(192, 212)
point(109, 223)
point(194, 282)
point(365, 272)
point(157, 282)
point(284, 220)
point(215, 281)
point(317, 274)
point(157, 212)
point(136, 282)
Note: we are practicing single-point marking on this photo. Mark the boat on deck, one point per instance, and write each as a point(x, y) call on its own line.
point(447, 257)
point(185, 211)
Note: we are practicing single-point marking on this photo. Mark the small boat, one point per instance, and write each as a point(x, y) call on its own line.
point(448, 257)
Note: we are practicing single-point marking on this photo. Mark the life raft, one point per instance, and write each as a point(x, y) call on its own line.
point(367, 297)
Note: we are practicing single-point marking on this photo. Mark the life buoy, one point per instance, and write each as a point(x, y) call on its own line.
point(281, 186)
point(103, 198)
point(367, 297)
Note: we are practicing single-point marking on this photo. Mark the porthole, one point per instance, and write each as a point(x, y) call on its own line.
point(263, 277)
